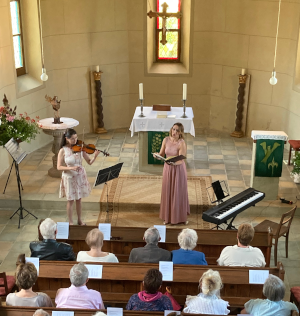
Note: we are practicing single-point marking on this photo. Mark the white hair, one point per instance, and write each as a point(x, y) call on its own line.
point(40, 312)
point(79, 274)
point(152, 236)
point(187, 239)
point(48, 228)
point(274, 288)
point(99, 314)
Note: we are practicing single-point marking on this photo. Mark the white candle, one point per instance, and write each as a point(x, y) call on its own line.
point(243, 71)
point(184, 91)
point(97, 69)
point(141, 91)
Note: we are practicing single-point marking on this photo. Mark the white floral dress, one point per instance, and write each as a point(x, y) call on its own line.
point(74, 185)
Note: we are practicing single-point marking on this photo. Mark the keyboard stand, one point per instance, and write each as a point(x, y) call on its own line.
point(230, 226)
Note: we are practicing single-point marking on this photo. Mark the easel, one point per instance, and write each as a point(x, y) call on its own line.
point(17, 155)
point(106, 175)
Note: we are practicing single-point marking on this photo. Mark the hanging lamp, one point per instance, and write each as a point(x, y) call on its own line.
point(44, 76)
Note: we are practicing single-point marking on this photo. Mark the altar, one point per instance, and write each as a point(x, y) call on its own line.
point(150, 123)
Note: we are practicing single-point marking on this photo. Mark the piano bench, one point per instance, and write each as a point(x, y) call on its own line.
point(294, 144)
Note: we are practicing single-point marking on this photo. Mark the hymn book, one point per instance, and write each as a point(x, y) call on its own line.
point(169, 159)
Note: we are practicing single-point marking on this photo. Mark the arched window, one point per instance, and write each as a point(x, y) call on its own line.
point(168, 32)
point(17, 37)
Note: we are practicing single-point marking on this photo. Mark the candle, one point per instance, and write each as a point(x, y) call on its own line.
point(243, 71)
point(97, 69)
point(141, 91)
point(184, 91)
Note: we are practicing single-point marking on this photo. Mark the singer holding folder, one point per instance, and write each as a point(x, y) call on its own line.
point(174, 206)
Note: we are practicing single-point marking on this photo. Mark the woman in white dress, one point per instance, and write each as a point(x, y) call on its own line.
point(74, 182)
point(94, 240)
point(209, 301)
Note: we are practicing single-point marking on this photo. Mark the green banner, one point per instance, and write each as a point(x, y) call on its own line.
point(155, 140)
point(269, 157)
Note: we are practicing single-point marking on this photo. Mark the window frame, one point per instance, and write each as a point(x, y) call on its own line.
point(157, 31)
point(22, 70)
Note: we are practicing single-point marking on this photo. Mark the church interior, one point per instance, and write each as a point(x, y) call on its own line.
point(95, 54)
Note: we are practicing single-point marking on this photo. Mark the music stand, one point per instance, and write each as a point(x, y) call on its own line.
point(106, 175)
point(17, 154)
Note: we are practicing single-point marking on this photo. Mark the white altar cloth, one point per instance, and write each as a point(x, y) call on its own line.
point(277, 135)
point(151, 123)
point(47, 123)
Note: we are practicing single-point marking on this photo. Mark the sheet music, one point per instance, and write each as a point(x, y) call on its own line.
point(62, 313)
point(105, 228)
point(95, 271)
point(17, 153)
point(162, 232)
point(258, 276)
point(114, 311)
point(166, 268)
point(62, 230)
point(35, 261)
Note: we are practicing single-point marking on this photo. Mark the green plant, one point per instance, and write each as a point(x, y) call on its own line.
point(22, 128)
point(296, 164)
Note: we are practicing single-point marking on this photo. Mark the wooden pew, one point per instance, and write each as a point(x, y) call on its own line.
point(121, 280)
point(210, 242)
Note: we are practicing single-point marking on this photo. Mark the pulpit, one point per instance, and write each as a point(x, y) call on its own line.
point(267, 158)
point(152, 131)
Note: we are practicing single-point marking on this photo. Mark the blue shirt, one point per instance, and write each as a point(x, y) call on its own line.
point(266, 307)
point(182, 256)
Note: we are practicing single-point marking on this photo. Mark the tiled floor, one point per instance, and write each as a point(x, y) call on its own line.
point(209, 153)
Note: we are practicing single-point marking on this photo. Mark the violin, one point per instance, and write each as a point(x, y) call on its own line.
point(89, 149)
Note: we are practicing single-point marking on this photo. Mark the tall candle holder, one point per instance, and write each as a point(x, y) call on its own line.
point(142, 114)
point(184, 108)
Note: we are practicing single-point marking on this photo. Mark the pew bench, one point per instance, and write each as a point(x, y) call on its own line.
point(124, 239)
point(121, 280)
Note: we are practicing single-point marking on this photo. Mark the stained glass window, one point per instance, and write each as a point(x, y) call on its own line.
point(17, 36)
point(171, 50)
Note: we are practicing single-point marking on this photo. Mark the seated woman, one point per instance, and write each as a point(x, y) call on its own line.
point(209, 301)
point(187, 240)
point(150, 299)
point(26, 276)
point(94, 240)
point(273, 290)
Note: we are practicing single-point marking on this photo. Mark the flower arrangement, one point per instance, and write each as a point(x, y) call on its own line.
point(20, 127)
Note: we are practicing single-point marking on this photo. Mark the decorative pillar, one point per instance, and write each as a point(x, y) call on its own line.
point(99, 108)
point(240, 108)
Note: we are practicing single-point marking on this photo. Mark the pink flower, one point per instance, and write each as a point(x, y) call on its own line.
point(10, 118)
point(32, 121)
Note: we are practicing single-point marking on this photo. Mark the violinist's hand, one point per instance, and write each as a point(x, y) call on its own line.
point(97, 152)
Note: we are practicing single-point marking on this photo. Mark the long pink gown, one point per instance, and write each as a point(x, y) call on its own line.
point(174, 205)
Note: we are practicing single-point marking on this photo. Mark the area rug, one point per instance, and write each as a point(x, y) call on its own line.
point(134, 200)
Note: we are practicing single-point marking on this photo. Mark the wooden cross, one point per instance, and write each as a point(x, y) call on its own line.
point(164, 15)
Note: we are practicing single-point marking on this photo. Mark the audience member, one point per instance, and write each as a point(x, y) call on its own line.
point(187, 240)
point(242, 254)
point(209, 301)
point(49, 248)
point(150, 299)
point(273, 290)
point(150, 253)
point(94, 240)
point(26, 276)
point(78, 295)
point(99, 314)
point(40, 312)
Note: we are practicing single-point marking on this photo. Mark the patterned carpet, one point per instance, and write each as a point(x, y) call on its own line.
point(134, 200)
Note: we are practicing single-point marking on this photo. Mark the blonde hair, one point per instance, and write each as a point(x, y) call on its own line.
point(181, 130)
point(210, 283)
point(94, 238)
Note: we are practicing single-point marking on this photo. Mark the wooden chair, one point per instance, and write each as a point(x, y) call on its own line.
point(295, 296)
point(294, 144)
point(7, 284)
point(278, 230)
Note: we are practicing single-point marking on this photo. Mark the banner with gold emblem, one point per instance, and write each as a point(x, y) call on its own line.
point(269, 157)
point(155, 140)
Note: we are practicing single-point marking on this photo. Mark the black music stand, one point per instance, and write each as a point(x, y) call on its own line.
point(106, 175)
point(17, 155)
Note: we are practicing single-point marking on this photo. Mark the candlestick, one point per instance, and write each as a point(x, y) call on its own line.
point(97, 69)
point(243, 71)
point(142, 114)
point(184, 108)
point(141, 91)
point(184, 93)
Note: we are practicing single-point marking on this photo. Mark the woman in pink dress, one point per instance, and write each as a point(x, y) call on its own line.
point(74, 183)
point(174, 206)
